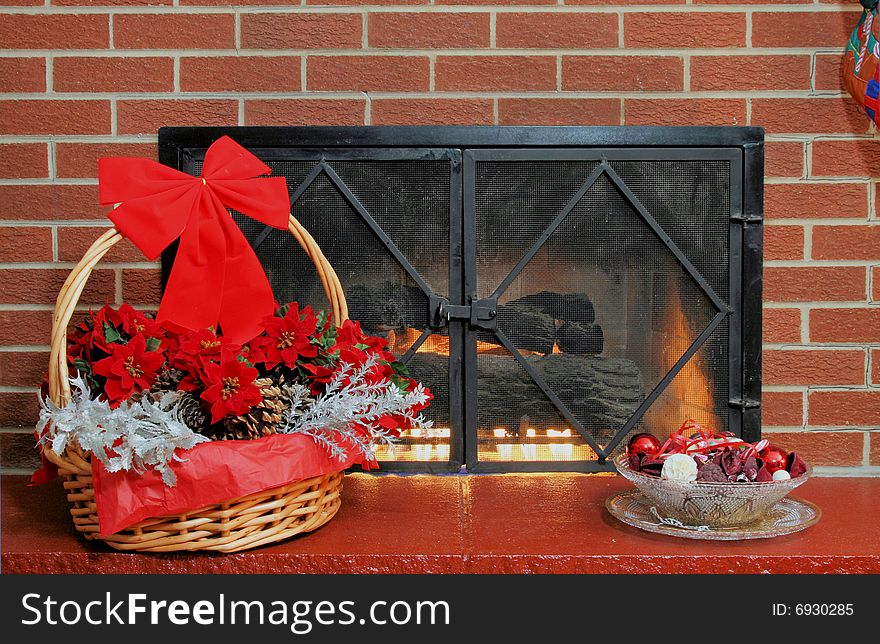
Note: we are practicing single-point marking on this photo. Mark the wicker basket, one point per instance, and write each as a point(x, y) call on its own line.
point(234, 525)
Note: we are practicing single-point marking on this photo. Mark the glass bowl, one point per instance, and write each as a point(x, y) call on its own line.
point(716, 505)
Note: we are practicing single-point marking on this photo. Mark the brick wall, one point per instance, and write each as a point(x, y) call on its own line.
point(83, 78)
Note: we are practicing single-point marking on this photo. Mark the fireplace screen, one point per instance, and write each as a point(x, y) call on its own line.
point(556, 299)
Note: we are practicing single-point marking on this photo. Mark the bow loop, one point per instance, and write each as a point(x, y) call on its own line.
point(216, 278)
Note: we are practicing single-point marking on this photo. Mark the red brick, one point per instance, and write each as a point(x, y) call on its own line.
point(243, 3)
point(73, 242)
point(142, 286)
point(368, 73)
point(622, 73)
point(782, 325)
point(23, 75)
point(18, 450)
point(784, 158)
point(19, 409)
point(812, 200)
point(146, 117)
point(845, 325)
point(784, 242)
point(102, 74)
point(54, 117)
point(817, 115)
point(499, 73)
point(752, 2)
point(875, 366)
point(822, 448)
point(444, 2)
point(55, 202)
point(116, 3)
point(173, 31)
point(54, 31)
point(80, 160)
point(428, 30)
point(28, 244)
point(296, 111)
point(846, 242)
point(725, 73)
point(684, 30)
point(25, 327)
point(555, 30)
point(23, 369)
point(41, 285)
point(416, 111)
point(240, 74)
point(814, 284)
point(829, 72)
point(686, 111)
point(24, 160)
point(859, 158)
point(22, 3)
point(844, 408)
point(617, 3)
point(782, 409)
point(818, 367)
point(801, 29)
point(301, 30)
point(559, 111)
point(875, 281)
point(377, 2)
point(874, 449)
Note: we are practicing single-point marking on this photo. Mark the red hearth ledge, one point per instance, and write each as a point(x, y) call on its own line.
point(553, 523)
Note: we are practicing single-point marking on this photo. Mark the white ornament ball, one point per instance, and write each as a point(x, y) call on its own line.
point(679, 467)
point(781, 475)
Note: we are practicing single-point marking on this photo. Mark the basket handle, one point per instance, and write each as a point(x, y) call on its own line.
point(59, 383)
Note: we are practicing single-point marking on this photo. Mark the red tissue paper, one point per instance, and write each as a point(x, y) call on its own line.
point(211, 473)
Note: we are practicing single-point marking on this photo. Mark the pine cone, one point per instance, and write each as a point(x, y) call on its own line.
point(192, 413)
point(293, 392)
point(168, 380)
point(262, 419)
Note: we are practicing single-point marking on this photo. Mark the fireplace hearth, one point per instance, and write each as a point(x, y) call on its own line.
point(558, 288)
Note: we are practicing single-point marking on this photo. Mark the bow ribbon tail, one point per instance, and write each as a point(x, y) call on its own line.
point(245, 283)
point(198, 275)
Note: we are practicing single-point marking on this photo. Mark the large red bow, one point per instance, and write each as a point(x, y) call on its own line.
point(216, 277)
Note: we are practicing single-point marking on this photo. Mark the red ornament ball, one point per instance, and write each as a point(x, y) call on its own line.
point(774, 458)
point(643, 444)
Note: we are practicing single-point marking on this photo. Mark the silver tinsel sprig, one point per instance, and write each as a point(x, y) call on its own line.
point(137, 435)
point(350, 404)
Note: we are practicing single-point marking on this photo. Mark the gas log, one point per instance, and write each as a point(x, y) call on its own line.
point(580, 338)
point(569, 307)
point(387, 306)
point(601, 392)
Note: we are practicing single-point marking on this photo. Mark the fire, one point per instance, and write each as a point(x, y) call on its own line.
point(401, 340)
point(689, 395)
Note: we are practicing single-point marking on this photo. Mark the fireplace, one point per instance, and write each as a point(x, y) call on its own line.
point(558, 288)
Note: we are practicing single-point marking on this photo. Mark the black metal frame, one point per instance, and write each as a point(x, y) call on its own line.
point(463, 313)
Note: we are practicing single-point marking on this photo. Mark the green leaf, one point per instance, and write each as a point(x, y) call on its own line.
point(282, 311)
point(111, 334)
point(153, 344)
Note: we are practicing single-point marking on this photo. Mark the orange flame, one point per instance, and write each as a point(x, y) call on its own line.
point(689, 395)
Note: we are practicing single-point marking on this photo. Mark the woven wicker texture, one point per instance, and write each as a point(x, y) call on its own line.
point(237, 524)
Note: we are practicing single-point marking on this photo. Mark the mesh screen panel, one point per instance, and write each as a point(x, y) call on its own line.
point(604, 310)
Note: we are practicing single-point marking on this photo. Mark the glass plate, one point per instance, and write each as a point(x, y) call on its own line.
point(787, 516)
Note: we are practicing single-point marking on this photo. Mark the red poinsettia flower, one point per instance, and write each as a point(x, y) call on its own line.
point(195, 351)
point(133, 322)
point(129, 368)
point(230, 389)
point(288, 338)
